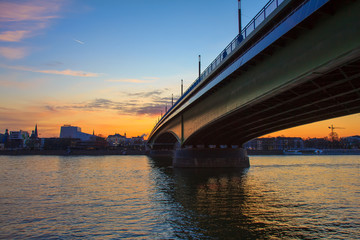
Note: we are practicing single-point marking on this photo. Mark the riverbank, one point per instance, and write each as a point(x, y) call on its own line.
point(101, 152)
point(306, 152)
point(75, 152)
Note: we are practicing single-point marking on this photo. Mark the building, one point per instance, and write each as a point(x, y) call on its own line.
point(352, 142)
point(116, 140)
point(137, 143)
point(94, 143)
point(34, 133)
point(319, 143)
point(2, 141)
point(276, 143)
point(78, 139)
point(17, 139)
point(34, 142)
point(68, 131)
point(2, 138)
point(58, 143)
point(5, 140)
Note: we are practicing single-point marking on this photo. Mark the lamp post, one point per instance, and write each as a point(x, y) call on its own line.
point(239, 15)
point(182, 87)
point(199, 66)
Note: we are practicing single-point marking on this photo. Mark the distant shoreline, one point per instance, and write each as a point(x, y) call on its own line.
point(76, 152)
point(323, 152)
point(105, 152)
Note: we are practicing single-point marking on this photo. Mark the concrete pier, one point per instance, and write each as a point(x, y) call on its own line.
point(161, 153)
point(211, 158)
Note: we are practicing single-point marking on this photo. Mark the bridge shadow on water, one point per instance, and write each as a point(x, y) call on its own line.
point(215, 203)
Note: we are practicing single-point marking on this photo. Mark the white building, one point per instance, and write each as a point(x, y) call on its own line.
point(68, 131)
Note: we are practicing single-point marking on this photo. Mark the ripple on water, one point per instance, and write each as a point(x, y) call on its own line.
point(135, 197)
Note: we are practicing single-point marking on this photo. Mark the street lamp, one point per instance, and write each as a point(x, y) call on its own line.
point(239, 15)
point(182, 87)
point(199, 66)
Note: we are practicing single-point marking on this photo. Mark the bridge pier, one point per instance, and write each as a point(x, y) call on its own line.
point(161, 153)
point(211, 158)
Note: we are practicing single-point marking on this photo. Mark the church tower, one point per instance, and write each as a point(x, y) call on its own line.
point(36, 131)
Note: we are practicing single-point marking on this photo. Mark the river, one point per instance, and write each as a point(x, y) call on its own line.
point(137, 197)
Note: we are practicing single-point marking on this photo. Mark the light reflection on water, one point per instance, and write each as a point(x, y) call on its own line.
point(137, 197)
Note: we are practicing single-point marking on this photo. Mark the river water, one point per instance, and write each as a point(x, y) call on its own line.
point(136, 197)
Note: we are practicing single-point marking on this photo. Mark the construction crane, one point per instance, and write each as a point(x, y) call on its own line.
point(333, 135)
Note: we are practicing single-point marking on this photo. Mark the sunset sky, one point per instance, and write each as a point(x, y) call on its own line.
point(112, 66)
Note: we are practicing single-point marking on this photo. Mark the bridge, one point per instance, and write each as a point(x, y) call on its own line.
point(296, 62)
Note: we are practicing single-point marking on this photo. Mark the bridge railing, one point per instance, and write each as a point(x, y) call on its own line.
point(246, 31)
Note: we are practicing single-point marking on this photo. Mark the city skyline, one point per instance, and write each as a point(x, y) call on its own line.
point(331, 129)
point(113, 67)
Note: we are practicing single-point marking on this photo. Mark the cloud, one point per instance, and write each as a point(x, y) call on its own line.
point(130, 80)
point(15, 84)
point(37, 10)
point(152, 78)
point(54, 63)
point(128, 107)
point(50, 108)
point(96, 104)
point(23, 19)
point(149, 109)
point(146, 94)
point(66, 72)
point(101, 103)
point(13, 53)
point(5, 109)
point(13, 36)
point(78, 41)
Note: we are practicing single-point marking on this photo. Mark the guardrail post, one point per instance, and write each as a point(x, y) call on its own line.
point(265, 13)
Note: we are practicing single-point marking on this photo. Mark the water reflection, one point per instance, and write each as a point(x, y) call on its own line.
point(213, 203)
point(275, 198)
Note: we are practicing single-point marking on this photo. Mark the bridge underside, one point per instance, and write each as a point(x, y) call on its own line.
point(166, 141)
point(324, 96)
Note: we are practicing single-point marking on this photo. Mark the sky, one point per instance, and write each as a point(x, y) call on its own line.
point(112, 66)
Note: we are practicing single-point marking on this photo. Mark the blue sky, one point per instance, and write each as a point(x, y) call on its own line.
point(107, 65)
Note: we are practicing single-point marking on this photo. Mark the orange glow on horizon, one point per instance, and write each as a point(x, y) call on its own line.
point(101, 122)
point(345, 127)
point(106, 123)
